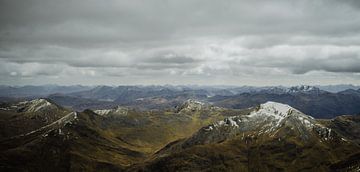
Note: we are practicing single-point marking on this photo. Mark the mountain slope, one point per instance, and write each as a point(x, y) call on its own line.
point(273, 137)
point(73, 143)
point(26, 116)
point(141, 127)
point(107, 139)
point(269, 137)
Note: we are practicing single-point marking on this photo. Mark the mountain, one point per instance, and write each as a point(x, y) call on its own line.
point(310, 100)
point(350, 92)
point(301, 89)
point(305, 89)
point(194, 136)
point(194, 105)
point(273, 137)
point(103, 139)
point(75, 142)
point(141, 127)
point(338, 88)
point(267, 119)
point(141, 97)
point(22, 117)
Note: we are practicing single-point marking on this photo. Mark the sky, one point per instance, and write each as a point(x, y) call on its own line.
point(204, 42)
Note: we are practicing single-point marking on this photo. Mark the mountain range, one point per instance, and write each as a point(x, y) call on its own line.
point(273, 137)
point(39, 135)
point(309, 99)
point(315, 102)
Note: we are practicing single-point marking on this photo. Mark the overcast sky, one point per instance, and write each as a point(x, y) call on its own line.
point(207, 42)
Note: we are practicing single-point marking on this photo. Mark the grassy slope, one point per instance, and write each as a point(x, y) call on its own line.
point(108, 143)
point(255, 154)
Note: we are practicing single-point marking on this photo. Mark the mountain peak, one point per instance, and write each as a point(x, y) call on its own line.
point(272, 113)
point(192, 105)
point(303, 88)
point(267, 119)
point(119, 110)
point(274, 108)
point(35, 105)
point(290, 90)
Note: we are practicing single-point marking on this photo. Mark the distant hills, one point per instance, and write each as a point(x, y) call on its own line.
point(45, 90)
point(315, 101)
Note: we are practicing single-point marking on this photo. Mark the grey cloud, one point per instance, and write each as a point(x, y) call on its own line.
point(172, 59)
point(342, 60)
point(162, 66)
point(90, 23)
point(187, 40)
point(29, 69)
point(352, 3)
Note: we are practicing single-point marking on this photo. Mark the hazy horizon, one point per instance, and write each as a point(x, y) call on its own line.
point(185, 85)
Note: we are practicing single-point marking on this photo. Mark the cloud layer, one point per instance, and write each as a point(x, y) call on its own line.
point(272, 42)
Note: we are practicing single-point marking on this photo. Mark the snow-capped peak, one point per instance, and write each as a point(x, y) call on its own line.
point(267, 119)
point(269, 116)
point(118, 110)
point(194, 102)
point(302, 88)
point(192, 105)
point(291, 90)
point(35, 105)
point(103, 111)
point(270, 120)
point(275, 109)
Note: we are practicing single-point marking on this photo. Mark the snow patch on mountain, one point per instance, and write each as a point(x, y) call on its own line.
point(195, 105)
point(192, 105)
point(103, 111)
point(267, 119)
point(277, 110)
point(34, 105)
point(118, 110)
point(303, 89)
point(68, 119)
point(230, 121)
point(271, 113)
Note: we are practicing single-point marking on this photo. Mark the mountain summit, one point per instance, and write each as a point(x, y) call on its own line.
point(192, 105)
point(304, 89)
point(36, 105)
point(270, 119)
